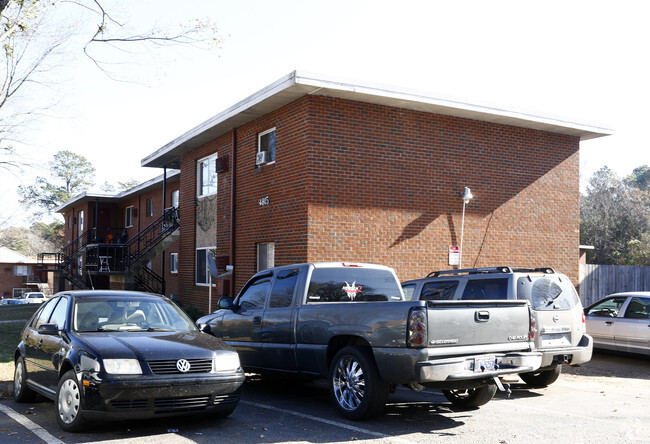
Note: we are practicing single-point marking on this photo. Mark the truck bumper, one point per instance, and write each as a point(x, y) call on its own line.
point(579, 354)
point(401, 366)
point(467, 367)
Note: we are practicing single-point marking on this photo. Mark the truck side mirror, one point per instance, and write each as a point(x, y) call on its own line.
point(226, 303)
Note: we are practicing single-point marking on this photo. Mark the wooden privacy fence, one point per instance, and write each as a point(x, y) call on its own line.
point(597, 281)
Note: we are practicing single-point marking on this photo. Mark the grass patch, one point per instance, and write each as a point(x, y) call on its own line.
point(17, 312)
point(13, 322)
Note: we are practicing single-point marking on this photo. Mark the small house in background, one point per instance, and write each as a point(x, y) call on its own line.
point(20, 274)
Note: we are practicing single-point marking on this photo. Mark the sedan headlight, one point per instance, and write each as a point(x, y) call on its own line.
point(122, 366)
point(226, 362)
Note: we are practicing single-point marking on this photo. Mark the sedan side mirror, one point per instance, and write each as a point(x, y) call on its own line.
point(48, 329)
point(205, 328)
point(226, 303)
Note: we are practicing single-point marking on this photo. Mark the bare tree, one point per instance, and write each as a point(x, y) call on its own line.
point(30, 40)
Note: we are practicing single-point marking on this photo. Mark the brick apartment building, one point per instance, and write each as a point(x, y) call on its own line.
point(319, 169)
point(124, 240)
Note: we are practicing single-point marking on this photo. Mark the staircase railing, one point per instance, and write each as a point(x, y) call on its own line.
point(150, 281)
point(147, 239)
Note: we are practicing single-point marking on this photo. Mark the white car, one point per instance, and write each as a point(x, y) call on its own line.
point(34, 297)
point(621, 322)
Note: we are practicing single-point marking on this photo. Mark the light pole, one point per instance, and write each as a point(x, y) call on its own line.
point(467, 195)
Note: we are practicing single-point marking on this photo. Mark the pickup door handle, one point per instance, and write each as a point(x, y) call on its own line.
point(257, 320)
point(482, 316)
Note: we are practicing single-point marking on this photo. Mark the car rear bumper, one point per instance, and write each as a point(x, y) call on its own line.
point(579, 354)
point(154, 397)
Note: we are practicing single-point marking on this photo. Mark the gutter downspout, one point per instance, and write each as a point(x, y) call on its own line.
point(233, 193)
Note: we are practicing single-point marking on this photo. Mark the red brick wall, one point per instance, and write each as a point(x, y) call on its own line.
point(367, 183)
point(8, 281)
point(395, 180)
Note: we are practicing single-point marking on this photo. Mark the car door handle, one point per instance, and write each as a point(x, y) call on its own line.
point(257, 320)
point(609, 323)
point(40, 343)
point(482, 316)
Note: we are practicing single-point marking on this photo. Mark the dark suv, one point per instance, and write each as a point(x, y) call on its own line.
point(558, 314)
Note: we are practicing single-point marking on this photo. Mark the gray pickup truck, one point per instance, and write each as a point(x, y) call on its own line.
point(349, 323)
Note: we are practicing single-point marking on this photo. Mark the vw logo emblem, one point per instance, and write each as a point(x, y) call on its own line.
point(183, 366)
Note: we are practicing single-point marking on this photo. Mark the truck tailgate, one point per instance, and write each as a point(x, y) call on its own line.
point(470, 326)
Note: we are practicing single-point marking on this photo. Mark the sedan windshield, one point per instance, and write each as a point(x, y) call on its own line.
point(116, 314)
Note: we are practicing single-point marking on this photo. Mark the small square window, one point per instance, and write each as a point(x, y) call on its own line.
point(128, 217)
point(207, 176)
point(173, 263)
point(202, 270)
point(175, 195)
point(266, 143)
point(149, 207)
point(265, 255)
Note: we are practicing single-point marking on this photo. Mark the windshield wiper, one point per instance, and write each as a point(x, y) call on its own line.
point(554, 298)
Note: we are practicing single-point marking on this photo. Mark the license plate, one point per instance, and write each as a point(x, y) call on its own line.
point(484, 364)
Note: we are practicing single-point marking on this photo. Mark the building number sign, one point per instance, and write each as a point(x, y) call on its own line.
point(264, 201)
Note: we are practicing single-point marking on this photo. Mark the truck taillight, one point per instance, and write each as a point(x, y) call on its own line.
point(533, 328)
point(417, 327)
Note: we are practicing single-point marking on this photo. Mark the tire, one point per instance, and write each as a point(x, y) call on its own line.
point(471, 398)
point(355, 385)
point(541, 378)
point(67, 404)
point(22, 393)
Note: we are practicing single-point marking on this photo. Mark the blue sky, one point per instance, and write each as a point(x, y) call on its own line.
point(584, 60)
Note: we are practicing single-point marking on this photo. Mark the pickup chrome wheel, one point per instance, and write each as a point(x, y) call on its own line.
point(22, 393)
point(355, 385)
point(67, 404)
point(541, 378)
point(471, 398)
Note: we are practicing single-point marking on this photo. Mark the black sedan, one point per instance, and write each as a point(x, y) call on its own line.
point(123, 355)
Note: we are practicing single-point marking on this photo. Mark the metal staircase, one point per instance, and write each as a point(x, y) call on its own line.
point(126, 258)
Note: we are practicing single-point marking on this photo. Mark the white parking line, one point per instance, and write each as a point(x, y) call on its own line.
point(393, 439)
point(30, 425)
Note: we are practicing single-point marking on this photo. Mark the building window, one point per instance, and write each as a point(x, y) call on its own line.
point(265, 255)
point(128, 217)
point(173, 263)
point(266, 142)
point(207, 180)
point(80, 215)
point(22, 270)
point(149, 207)
point(175, 200)
point(202, 270)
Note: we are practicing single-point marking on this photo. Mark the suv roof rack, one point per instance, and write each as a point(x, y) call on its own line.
point(488, 270)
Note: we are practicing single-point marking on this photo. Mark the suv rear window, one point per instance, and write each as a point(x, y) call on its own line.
point(437, 291)
point(353, 285)
point(547, 293)
point(486, 289)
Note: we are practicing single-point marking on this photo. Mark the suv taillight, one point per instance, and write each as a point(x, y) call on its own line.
point(417, 327)
point(533, 328)
point(584, 324)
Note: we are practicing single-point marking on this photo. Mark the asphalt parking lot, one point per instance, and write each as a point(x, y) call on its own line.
point(604, 400)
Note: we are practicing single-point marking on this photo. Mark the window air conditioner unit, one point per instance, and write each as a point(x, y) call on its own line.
point(261, 157)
